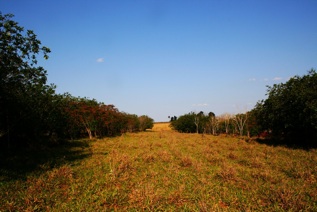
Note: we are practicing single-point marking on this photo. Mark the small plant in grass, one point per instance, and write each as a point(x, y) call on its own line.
point(227, 173)
point(164, 156)
point(148, 158)
point(186, 161)
point(232, 156)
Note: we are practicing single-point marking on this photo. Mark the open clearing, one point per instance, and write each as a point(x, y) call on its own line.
point(168, 171)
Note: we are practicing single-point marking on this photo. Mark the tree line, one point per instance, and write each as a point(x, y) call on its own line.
point(289, 113)
point(212, 124)
point(32, 112)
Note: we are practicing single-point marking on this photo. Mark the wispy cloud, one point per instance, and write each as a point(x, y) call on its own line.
point(201, 105)
point(100, 60)
point(277, 78)
point(266, 79)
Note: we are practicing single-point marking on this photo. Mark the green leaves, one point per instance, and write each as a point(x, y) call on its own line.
point(25, 99)
point(291, 107)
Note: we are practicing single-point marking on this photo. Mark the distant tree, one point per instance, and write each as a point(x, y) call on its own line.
point(213, 122)
point(191, 123)
point(172, 118)
point(146, 122)
point(198, 121)
point(132, 122)
point(290, 111)
point(84, 112)
point(252, 126)
point(94, 118)
point(211, 114)
point(185, 123)
point(113, 122)
point(225, 119)
point(240, 122)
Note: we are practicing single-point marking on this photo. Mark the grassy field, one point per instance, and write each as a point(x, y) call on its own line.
point(162, 170)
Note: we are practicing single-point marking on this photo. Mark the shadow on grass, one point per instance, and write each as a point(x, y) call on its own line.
point(17, 165)
point(298, 143)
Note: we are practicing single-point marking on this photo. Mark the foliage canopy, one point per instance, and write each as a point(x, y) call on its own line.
point(24, 95)
point(290, 111)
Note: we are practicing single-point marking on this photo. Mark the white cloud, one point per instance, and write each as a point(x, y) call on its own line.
point(252, 79)
point(277, 78)
point(201, 105)
point(100, 60)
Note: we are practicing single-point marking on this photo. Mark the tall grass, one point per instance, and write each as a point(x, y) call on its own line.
point(165, 170)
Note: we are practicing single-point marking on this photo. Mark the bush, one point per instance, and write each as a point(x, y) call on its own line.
point(145, 122)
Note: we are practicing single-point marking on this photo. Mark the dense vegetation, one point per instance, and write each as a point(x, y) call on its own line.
point(290, 111)
point(163, 170)
point(288, 114)
point(32, 114)
point(210, 124)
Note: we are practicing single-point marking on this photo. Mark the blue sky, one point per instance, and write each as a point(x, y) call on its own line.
point(171, 57)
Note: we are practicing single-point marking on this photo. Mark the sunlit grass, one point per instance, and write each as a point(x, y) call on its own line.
point(162, 126)
point(170, 171)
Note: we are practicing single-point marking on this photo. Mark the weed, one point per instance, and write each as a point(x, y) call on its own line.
point(227, 173)
point(232, 156)
point(186, 161)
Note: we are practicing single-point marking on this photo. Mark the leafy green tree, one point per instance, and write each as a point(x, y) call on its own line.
point(84, 112)
point(290, 111)
point(131, 122)
point(185, 123)
point(23, 91)
point(94, 118)
point(192, 122)
point(252, 127)
point(110, 120)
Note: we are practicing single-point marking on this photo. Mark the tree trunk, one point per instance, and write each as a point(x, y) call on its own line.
point(197, 124)
point(8, 131)
point(89, 133)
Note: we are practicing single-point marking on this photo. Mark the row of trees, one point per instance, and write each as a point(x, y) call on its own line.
point(30, 110)
point(98, 119)
point(211, 124)
point(289, 113)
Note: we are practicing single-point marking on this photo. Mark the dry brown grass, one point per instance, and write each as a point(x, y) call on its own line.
point(161, 126)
